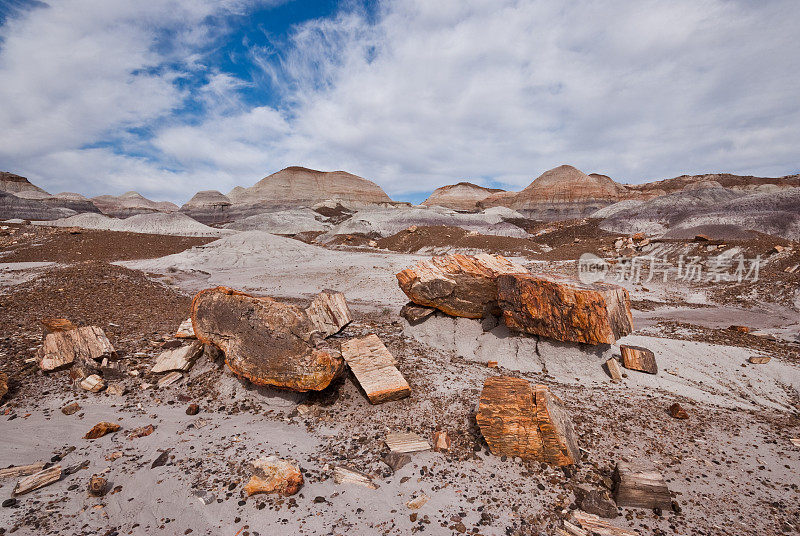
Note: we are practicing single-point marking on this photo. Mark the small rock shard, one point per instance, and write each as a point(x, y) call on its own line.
point(100, 429)
point(115, 389)
point(185, 330)
point(93, 383)
point(192, 409)
point(329, 313)
point(418, 501)
point(205, 497)
point(612, 365)
point(84, 345)
point(274, 475)
point(759, 359)
point(676, 411)
point(459, 285)
point(21, 470)
point(142, 431)
point(396, 460)
point(374, 368)
point(441, 441)
point(265, 341)
point(585, 524)
point(640, 486)
point(52, 325)
point(346, 475)
point(70, 408)
point(597, 502)
point(178, 359)
point(97, 486)
point(740, 329)
point(402, 442)
point(518, 419)
point(564, 309)
point(169, 379)
point(161, 459)
point(38, 480)
point(638, 358)
point(416, 313)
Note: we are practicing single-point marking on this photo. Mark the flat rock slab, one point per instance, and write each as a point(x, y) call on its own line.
point(346, 475)
point(639, 485)
point(416, 313)
point(519, 419)
point(38, 480)
point(179, 359)
point(265, 341)
point(329, 313)
point(84, 345)
point(638, 358)
point(185, 330)
point(403, 442)
point(459, 285)
point(374, 368)
point(21, 470)
point(612, 366)
point(565, 309)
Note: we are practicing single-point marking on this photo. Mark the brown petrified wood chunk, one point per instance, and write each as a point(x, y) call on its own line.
point(564, 309)
point(97, 486)
point(52, 325)
point(676, 411)
point(441, 441)
point(329, 313)
point(265, 341)
point(518, 419)
point(100, 429)
point(416, 313)
point(759, 359)
point(38, 480)
point(613, 369)
point(459, 285)
point(180, 359)
point(640, 486)
point(84, 345)
point(374, 368)
point(638, 358)
point(274, 475)
point(93, 383)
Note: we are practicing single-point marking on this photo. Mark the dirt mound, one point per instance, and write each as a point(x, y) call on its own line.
point(443, 239)
point(461, 196)
point(285, 222)
point(130, 204)
point(154, 223)
point(208, 206)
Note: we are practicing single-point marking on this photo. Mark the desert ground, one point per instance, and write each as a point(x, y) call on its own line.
point(731, 468)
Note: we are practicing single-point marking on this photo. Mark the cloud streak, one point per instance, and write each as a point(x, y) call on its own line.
point(413, 96)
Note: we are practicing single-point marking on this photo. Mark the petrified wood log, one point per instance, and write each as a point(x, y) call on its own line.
point(640, 486)
point(274, 475)
point(100, 429)
point(329, 313)
point(374, 368)
point(585, 524)
point(38, 480)
point(403, 442)
point(347, 475)
point(459, 285)
point(180, 359)
point(565, 309)
point(265, 341)
point(638, 358)
point(21, 470)
point(518, 419)
point(57, 324)
point(416, 313)
point(84, 345)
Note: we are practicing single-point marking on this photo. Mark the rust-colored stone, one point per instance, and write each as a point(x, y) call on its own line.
point(740, 329)
point(677, 411)
point(274, 475)
point(518, 419)
point(52, 325)
point(638, 358)
point(441, 441)
point(265, 341)
point(100, 429)
point(459, 285)
point(565, 309)
point(97, 486)
point(141, 432)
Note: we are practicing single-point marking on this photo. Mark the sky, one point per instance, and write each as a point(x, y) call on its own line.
point(168, 97)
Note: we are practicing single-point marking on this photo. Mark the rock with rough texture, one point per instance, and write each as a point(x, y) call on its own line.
point(564, 309)
point(52, 325)
point(586, 524)
point(612, 365)
point(597, 502)
point(404, 442)
point(441, 441)
point(93, 383)
point(416, 313)
point(38, 480)
point(274, 475)
point(461, 196)
point(97, 486)
point(329, 313)
point(459, 285)
point(208, 206)
point(374, 368)
point(84, 345)
point(518, 419)
point(185, 330)
point(396, 460)
point(3, 384)
point(638, 358)
point(180, 359)
point(100, 429)
point(265, 341)
point(640, 486)
point(676, 411)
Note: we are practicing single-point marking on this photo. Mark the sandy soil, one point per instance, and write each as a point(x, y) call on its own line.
point(731, 467)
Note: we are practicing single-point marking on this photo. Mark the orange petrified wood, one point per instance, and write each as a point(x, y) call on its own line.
point(565, 309)
point(265, 341)
point(518, 419)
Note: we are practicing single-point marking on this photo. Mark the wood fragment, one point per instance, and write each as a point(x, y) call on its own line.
point(676, 411)
point(169, 379)
point(374, 368)
point(441, 441)
point(346, 475)
point(640, 486)
point(418, 501)
point(612, 366)
point(185, 330)
point(97, 486)
point(402, 442)
point(329, 313)
point(638, 358)
point(52, 325)
point(178, 359)
point(83, 345)
point(93, 383)
point(100, 429)
point(38, 480)
point(759, 359)
point(591, 524)
point(21, 470)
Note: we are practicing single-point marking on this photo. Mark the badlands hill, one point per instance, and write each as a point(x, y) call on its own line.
point(462, 196)
point(746, 183)
point(208, 206)
point(297, 186)
point(130, 204)
point(562, 192)
point(14, 184)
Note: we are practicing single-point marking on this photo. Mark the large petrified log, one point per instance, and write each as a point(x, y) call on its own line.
point(374, 368)
point(329, 313)
point(38, 480)
point(459, 285)
point(640, 486)
point(518, 419)
point(265, 341)
point(84, 345)
point(565, 309)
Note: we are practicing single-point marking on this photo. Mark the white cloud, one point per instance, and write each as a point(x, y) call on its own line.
point(424, 94)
